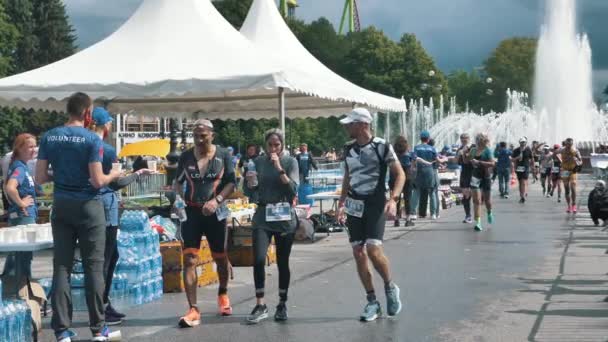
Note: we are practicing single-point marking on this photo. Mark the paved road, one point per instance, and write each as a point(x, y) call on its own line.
point(457, 284)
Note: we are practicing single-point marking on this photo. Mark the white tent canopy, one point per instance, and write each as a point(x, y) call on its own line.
point(169, 52)
point(265, 27)
point(181, 57)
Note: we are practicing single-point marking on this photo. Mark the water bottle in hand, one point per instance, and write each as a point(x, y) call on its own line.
point(252, 175)
point(180, 208)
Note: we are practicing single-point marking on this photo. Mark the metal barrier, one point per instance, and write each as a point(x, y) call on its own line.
point(147, 186)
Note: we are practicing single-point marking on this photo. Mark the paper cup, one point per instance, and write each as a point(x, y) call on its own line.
point(152, 165)
point(117, 166)
point(30, 236)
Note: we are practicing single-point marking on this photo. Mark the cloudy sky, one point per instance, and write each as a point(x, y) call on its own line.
point(458, 33)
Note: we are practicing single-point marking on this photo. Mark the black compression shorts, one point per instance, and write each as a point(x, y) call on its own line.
point(199, 224)
point(371, 225)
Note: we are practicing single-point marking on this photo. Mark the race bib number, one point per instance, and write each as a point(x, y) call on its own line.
point(278, 212)
point(475, 182)
point(555, 169)
point(354, 207)
point(565, 174)
point(520, 169)
point(543, 171)
point(222, 212)
point(537, 164)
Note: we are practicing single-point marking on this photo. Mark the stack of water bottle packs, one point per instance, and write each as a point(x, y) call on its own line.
point(15, 320)
point(138, 275)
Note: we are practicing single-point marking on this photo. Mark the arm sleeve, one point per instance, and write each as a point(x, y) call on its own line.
point(179, 172)
point(390, 155)
point(18, 174)
point(96, 151)
point(123, 181)
point(229, 176)
point(293, 172)
point(42, 149)
point(313, 163)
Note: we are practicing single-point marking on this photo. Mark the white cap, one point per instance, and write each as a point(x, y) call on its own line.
point(523, 139)
point(600, 184)
point(202, 123)
point(357, 115)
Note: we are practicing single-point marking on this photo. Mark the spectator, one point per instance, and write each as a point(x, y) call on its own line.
point(21, 193)
point(305, 163)
point(598, 203)
point(331, 155)
point(407, 160)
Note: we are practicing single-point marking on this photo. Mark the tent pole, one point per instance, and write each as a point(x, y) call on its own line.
point(282, 109)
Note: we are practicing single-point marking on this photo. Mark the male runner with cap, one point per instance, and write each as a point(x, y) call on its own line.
point(363, 202)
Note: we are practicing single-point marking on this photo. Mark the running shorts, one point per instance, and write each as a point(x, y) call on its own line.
point(198, 225)
point(465, 178)
point(371, 225)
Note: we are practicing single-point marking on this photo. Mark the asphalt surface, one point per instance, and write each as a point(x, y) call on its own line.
point(449, 275)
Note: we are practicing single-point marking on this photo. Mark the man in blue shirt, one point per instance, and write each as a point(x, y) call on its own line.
point(503, 168)
point(426, 157)
point(305, 163)
point(75, 155)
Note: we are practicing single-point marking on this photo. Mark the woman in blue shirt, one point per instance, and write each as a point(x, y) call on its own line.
point(406, 159)
point(21, 194)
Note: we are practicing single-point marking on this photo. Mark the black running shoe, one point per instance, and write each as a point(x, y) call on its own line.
point(258, 314)
point(111, 311)
point(281, 314)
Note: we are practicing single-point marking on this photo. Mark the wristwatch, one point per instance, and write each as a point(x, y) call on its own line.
point(219, 199)
point(282, 172)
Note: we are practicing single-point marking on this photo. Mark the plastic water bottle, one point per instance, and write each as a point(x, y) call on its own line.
point(12, 322)
point(27, 325)
point(252, 175)
point(180, 208)
point(3, 325)
point(0, 292)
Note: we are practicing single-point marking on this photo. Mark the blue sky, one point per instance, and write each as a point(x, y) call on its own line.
point(459, 34)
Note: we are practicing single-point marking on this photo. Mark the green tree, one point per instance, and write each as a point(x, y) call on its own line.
point(8, 42)
point(322, 41)
point(511, 66)
point(21, 15)
point(373, 61)
point(234, 11)
point(55, 34)
point(420, 76)
point(468, 88)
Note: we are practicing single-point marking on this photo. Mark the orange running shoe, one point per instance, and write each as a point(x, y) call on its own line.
point(223, 304)
point(191, 319)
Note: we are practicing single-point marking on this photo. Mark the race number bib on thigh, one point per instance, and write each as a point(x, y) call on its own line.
point(475, 182)
point(520, 169)
point(354, 207)
point(278, 212)
point(555, 169)
point(222, 212)
point(565, 174)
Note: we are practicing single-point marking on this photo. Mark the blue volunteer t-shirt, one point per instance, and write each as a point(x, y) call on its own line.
point(69, 150)
point(25, 187)
point(503, 157)
point(304, 163)
point(426, 152)
point(109, 157)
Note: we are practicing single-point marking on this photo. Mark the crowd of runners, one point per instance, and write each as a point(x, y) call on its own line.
point(85, 203)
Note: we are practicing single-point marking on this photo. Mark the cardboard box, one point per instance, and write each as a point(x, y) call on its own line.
point(173, 281)
point(172, 253)
point(243, 255)
point(241, 236)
